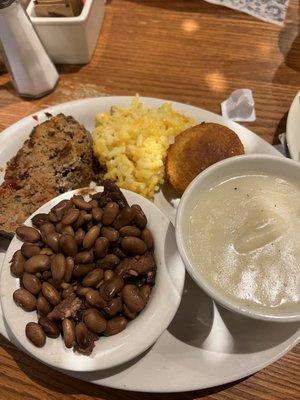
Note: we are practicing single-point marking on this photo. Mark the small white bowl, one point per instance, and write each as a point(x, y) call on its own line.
point(70, 40)
point(230, 167)
point(139, 334)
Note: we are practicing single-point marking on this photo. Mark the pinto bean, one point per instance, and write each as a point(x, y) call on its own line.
point(145, 292)
point(124, 218)
point(43, 306)
point(28, 234)
point(130, 230)
point(82, 291)
point(110, 233)
point(53, 217)
point(69, 269)
point(52, 240)
point(94, 320)
point(147, 238)
point(101, 246)
point(17, 264)
point(80, 220)
point(30, 249)
point(79, 236)
point(61, 208)
point(115, 325)
point(91, 237)
point(80, 203)
point(47, 227)
point(58, 267)
point(81, 334)
point(68, 245)
point(93, 278)
point(108, 274)
point(134, 245)
point(84, 257)
point(97, 214)
point(110, 212)
point(108, 262)
point(88, 217)
point(68, 329)
point(81, 270)
point(31, 283)
point(24, 299)
point(49, 327)
point(114, 307)
point(59, 227)
point(129, 314)
point(140, 218)
point(93, 203)
point(50, 293)
point(94, 299)
point(68, 229)
point(35, 334)
point(110, 288)
point(132, 298)
point(70, 216)
point(39, 219)
point(37, 263)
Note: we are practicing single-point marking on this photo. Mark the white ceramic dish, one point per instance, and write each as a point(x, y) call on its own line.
point(139, 334)
point(293, 129)
point(235, 166)
point(70, 40)
point(204, 345)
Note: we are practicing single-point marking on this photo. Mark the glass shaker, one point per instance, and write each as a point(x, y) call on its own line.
point(31, 69)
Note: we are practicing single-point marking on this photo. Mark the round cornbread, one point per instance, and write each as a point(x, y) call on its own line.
point(197, 148)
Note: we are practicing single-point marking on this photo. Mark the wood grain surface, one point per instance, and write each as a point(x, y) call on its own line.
point(193, 52)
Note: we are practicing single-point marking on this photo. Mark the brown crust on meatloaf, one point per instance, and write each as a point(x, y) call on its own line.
point(56, 158)
point(197, 148)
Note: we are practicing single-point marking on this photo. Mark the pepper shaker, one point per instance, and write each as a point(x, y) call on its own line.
point(33, 73)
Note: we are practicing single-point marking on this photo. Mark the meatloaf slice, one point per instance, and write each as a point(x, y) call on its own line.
point(56, 158)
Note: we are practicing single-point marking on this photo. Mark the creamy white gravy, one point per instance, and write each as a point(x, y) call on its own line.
point(244, 236)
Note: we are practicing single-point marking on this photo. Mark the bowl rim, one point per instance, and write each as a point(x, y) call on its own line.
point(144, 341)
point(193, 272)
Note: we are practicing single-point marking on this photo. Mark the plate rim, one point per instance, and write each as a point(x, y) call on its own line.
point(54, 108)
point(218, 382)
point(290, 131)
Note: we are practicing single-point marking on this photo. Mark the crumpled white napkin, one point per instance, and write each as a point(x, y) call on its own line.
point(268, 10)
point(239, 106)
point(282, 146)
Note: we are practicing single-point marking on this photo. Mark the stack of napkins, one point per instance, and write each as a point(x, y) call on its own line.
point(57, 8)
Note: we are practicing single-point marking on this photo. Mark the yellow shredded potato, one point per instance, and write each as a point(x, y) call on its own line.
point(132, 144)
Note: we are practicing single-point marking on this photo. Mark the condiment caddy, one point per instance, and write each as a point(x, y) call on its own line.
point(70, 40)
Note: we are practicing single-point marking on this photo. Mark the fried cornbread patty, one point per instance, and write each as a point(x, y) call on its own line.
point(197, 148)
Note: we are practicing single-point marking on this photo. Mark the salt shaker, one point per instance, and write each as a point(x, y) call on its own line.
point(31, 69)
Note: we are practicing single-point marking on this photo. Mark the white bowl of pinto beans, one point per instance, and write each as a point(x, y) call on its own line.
point(92, 279)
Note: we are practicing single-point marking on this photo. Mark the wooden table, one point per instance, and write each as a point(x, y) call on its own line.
point(193, 52)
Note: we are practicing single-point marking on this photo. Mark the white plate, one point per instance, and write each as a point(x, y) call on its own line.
point(140, 333)
point(293, 129)
point(205, 345)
